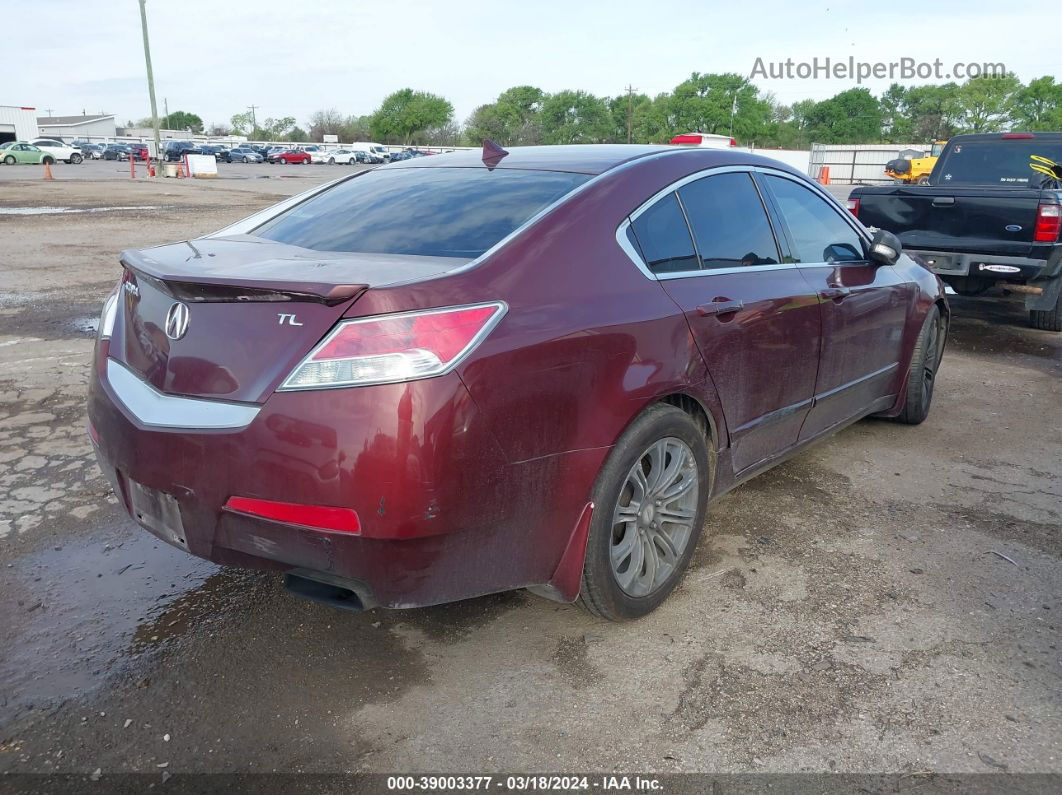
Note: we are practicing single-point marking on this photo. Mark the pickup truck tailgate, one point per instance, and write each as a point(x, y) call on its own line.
point(992, 221)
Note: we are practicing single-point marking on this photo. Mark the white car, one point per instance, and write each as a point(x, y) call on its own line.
point(343, 155)
point(317, 154)
point(59, 150)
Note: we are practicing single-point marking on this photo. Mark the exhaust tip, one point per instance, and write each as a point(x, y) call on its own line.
point(340, 596)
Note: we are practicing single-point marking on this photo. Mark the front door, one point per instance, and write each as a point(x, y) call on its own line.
point(864, 306)
point(755, 319)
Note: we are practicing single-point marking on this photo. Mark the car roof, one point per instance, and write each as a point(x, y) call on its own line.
point(587, 158)
point(1017, 135)
point(579, 158)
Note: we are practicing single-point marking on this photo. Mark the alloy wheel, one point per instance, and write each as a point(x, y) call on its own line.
point(652, 521)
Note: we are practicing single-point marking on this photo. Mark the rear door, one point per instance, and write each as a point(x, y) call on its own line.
point(863, 304)
point(755, 320)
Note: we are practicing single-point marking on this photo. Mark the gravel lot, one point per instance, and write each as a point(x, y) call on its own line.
point(887, 601)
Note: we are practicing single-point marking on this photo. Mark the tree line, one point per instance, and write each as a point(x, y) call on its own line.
point(725, 104)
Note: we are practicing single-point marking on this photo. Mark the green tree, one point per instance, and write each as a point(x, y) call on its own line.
point(986, 103)
point(355, 128)
point(711, 103)
point(575, 117)
point(1038, 106)
point(241, 123)
point(851, 117)
point(405, 115)
point(182, 120)
point(513, 119)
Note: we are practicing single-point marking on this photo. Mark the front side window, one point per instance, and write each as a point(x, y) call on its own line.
point(664, 237)
point(728, 221)
point(440, 212)
point(818, 232)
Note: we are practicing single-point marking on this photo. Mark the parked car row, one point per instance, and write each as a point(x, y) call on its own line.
point(364, 153)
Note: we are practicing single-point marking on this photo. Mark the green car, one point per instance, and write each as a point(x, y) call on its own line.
point(21, 152)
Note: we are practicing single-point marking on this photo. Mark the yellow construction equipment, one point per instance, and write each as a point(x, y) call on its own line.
point(914, 170)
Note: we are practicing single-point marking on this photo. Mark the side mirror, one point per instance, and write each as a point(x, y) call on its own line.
point(885, 248)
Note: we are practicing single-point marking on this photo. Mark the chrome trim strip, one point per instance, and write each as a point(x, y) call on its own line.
point(621, 231)
point(157, 410)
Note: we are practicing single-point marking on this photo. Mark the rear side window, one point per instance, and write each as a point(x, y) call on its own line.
point(664, 237)
point(440, 212)
point(729, 223)
point(818, 231)
point(1002, 162)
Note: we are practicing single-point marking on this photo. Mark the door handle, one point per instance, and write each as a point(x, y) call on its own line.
point(835, 293)
point(720, 306)
point(943, 201)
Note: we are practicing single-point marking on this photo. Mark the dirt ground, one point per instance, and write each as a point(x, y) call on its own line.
point(886, 602)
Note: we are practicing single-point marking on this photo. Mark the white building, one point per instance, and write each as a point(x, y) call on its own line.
point(17, 123)
point(68, 128)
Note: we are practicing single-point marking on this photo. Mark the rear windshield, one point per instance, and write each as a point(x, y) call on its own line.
point(438, 212)
point(996, 162)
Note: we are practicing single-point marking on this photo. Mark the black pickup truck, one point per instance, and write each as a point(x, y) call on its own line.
point(986, 219)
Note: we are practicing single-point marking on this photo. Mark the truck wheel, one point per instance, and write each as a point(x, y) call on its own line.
point(1047, 319)
point(922, 373)
point(650, 501)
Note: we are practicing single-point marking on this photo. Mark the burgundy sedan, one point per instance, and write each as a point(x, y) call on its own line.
point(475, 372)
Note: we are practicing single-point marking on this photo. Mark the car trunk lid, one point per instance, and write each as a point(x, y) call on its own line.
point(252, 309)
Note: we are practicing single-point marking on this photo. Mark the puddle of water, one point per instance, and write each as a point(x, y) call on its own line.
point(89, 324)
point(70, 615)
point(69, 210)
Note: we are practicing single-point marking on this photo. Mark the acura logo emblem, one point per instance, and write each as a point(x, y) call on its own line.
point(177, 321)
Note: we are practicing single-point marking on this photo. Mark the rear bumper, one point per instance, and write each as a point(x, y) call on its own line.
point(444, 516)
point(984, 266)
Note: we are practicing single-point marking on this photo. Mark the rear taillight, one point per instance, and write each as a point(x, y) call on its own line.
point(1048, 223)
point(853, 207)
point(319, 517)
point(387, 349)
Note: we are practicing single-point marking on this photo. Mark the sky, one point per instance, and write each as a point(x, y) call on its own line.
point(291, 58)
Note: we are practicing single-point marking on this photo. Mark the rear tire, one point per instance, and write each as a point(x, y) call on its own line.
point(1047, 319)
point(650, 501)
point(48, 160)
point(922, 372)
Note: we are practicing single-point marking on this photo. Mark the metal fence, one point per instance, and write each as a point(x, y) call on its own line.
point(856, 164)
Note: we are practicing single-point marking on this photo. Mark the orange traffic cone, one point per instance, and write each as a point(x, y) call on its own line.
point(824, 175)
point(48, 170)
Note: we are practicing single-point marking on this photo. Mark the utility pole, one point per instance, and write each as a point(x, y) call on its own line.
point(630, 113)
point(49, 112)
point(733, 111)
point(151, 82)
point(166, 110)
point(254, 122)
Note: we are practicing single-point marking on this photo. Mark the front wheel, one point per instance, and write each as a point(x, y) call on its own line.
point(650, 502)
point(76, 158)
point(1047, 319)
point(922, 373)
